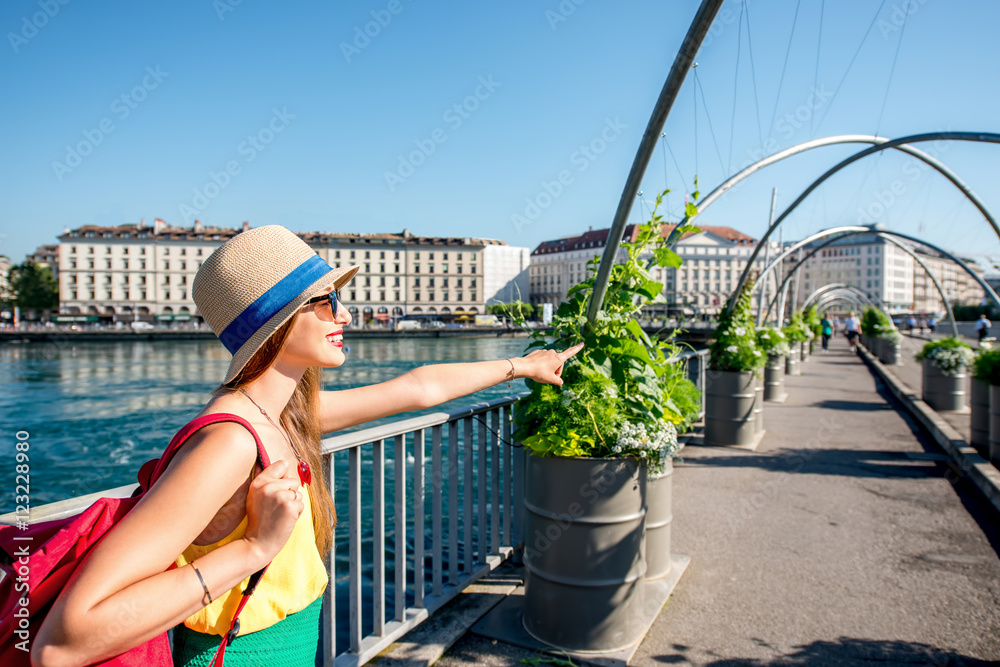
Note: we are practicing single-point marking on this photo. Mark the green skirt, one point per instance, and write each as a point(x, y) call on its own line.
point(292, 642)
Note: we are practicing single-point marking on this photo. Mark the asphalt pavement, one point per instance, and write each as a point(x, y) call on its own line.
point(845, 539)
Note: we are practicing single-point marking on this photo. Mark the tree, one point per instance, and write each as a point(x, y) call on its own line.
point(515, 310)
point(33, 287)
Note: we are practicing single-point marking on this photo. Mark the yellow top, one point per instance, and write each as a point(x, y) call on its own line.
point(296, 577)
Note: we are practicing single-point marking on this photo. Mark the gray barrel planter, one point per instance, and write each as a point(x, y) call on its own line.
point(944, 393)
point(729, 408)
point(585, 554)
point(994, 444)
point(889, 351)
point(792, 361)
point(758, 404)
point(875, 346)
point(774, 378)
point(804, 346)
point(979, 417)
point(659, 519)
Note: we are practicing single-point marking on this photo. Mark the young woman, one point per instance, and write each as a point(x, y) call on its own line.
point(216, 515)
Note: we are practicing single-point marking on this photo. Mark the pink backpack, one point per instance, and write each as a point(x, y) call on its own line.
point(36, 562)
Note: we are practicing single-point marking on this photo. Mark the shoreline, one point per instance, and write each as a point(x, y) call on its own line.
point(57, 336)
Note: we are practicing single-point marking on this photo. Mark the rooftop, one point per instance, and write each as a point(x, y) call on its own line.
point(596, 238)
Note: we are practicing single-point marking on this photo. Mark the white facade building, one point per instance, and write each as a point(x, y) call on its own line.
point(886, 272)
point(134, 271)
point(713, 261)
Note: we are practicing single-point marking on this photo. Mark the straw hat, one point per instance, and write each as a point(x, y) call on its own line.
point(254, 282)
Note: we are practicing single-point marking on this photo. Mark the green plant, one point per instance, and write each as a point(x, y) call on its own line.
point(950, 355)
point(871, 319)
point(796, 331)
point(624, 393)
point(772, 341)
point(734, 347)
point(986, 367)
point(812, 320)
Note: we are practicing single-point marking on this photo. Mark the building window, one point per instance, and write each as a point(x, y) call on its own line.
point(472, 296)
point(430, 268)
point(396, 282)
point(460, 296)
point(354, 295)
point(396, 269)
point(473, 269)
point(430, 282)
point(368, 295)
point(108, 262)
point(430, 255)
point(107, 250)
point(166, 265)
point(416, 268)
point(396, 256)
point(430, 296)
point(397, 296)
point(368, 254)
point(444, 296)
point(381, 267)
point(444, 283)
point(445, 269)
point(381, 255)
point(459, 282)
point(166, 296)
point(72, 263)
point(381, 281)
point(472, 283)
point(416, 282)
point(352, 254)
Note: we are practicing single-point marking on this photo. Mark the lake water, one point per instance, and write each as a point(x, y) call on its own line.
point(97, 411)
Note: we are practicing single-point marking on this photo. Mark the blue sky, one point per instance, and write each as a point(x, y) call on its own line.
point(452, 118)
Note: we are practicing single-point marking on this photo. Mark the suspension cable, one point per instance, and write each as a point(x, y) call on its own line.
point(784, 66)
point(736, 75)
point(753, 77)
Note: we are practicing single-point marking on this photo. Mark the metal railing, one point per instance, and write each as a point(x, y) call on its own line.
point(474, 486)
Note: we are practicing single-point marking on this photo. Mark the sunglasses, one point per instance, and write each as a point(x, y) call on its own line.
point(333, 297)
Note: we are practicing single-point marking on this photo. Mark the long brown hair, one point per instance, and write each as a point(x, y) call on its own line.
point(299, 419)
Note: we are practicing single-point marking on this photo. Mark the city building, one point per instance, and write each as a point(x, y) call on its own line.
point(886, 272)
point(143, 272)
point(5, 266)
point(713, 261)
point(46, 255)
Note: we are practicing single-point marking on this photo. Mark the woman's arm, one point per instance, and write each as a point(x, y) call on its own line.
point(122, 596)
point(427, 386)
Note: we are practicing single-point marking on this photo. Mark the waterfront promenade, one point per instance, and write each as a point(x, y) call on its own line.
point(844, 539)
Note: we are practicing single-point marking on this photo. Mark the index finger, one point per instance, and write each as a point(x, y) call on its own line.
point(570, 351)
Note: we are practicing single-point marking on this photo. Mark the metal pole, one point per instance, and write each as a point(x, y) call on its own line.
point(671, 87)
point(767, 259)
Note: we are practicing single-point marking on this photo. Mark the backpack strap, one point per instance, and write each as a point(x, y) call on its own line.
point(186, 432)
point(148, 476)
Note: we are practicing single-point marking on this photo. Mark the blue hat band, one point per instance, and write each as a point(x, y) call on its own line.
point(270, 303)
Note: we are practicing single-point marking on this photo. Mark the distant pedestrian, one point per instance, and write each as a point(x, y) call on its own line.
point(836, 323)
point(852, 329)
point(983, 327)
point(911, 323)
point(827, 331)
point(923, 324)
point(931, 323)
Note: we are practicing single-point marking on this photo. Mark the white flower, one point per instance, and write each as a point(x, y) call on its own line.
point(765, 336)
point(568, 396)
point(756, 353)
point(733, 349)
point(739, 331)
point(779, 334)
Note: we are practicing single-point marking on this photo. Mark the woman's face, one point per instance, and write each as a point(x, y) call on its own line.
point(316, 338)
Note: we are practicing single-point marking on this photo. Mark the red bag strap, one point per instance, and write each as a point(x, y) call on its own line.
point(186, 432)
point(193, 427)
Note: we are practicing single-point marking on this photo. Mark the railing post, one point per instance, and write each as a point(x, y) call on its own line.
point(508, 477)
point(495, 482)
point(481, 481)
point(517, 537)
point(399, 533)
point(419, 509)
point(453, 446)
point(437, 479)
point(354, 517)
point(468, 497)
point(378, 537)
